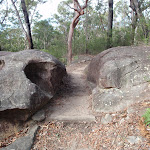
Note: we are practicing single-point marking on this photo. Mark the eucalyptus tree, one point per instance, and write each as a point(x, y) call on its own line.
point(138, 7)
point(79, 10)
point(25, 16)
point(26, 31)
point(62, 18)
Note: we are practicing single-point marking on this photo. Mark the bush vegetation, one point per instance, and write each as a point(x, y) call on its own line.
point(90, 35)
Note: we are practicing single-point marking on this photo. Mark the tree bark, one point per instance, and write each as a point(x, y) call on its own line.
point(134, 24)
point(26, 17)
point(78, 12)
point(86, 34)
point(70, 36)
point(110, 24)
point(70, 44)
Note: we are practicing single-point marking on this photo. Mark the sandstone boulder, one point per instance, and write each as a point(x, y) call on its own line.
point(119, 77)
point(28, 80)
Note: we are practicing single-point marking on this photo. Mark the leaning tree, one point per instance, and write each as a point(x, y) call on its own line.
point(26, 31)
point(79, 10)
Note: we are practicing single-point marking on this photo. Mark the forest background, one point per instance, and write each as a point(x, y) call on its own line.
point(131, 26)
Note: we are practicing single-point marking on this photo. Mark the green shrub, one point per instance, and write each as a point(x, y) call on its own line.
point(146, 116)
point(58, 52)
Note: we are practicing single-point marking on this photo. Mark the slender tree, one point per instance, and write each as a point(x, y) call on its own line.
point(86, 30)
point(27, 22)
point(136, 6)
point(110, 24)
point(79, 10)
point(134, 24)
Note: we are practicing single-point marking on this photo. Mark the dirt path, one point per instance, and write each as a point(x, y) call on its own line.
point(73, 104)
point(70, 124)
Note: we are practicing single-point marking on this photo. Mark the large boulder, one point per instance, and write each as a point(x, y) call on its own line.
point(28, 80)
point(119, 77)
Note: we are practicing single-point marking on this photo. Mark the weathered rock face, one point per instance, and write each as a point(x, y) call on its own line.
point(121, 77)
point(28, 80)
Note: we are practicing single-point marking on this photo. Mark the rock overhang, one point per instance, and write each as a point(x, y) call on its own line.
point(28, 79)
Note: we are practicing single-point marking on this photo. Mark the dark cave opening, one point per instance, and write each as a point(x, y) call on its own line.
point(39, 74)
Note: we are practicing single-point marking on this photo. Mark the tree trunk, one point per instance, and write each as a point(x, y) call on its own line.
point(134, 4)
point(134, 24)
point(86, 29)
point(110, 24)
point(78, 12)
point(74, 40)
point(70, 35)
point(26, 17)
point(28, 33)
point(17, 13)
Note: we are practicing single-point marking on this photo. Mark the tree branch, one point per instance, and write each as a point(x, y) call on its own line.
point(17, 13)
point(78, 4)
point(72, 8)
point(85, 5)
point(33, 14)
point(132, 6)
point(5, 14)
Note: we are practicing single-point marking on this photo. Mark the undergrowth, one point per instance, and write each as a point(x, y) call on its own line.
point(146, 117)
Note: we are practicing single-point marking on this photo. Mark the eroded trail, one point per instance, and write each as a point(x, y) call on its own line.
point(74, 100)
point(70, 124)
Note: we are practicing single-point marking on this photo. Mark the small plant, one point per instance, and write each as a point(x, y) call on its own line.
point(146, 117)
point(76, 57)
point(147, 79)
